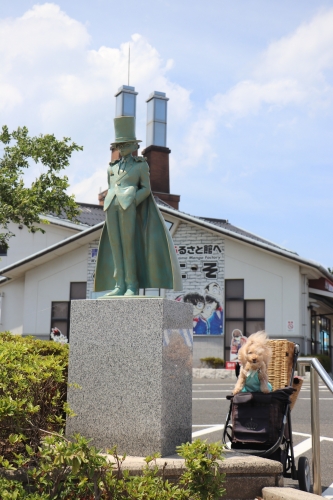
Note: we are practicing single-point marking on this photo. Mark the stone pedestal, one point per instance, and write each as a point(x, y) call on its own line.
point(132, 358)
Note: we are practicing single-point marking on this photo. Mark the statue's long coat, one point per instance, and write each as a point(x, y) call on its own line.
point(157, 263)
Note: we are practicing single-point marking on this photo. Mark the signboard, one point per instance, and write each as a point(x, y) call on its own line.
point(230, 365)
point(290, 326)
point(201, 262)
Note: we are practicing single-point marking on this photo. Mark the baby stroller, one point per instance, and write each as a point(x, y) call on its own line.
point(260, 424)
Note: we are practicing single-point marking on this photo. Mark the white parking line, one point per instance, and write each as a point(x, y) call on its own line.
point(301, 434)
point(207, 431)
point(205, 425)
point(320, 390)
point(212, 390)
point(214, 385)
point(320, 399)
point(302, 447)
point(208, 399)
point(328, 493)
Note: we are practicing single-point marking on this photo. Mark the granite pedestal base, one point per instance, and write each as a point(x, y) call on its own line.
point(132, 358)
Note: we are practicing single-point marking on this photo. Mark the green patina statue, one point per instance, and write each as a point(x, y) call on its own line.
point(135, 249)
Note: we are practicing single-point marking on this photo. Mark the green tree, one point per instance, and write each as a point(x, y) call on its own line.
point(26, 205)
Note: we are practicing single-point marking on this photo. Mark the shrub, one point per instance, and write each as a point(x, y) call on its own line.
point(212, 362)
point(74, 470)
point(33, 386)
point(33, 382)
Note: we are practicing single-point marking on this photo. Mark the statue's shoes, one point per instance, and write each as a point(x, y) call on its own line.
point(130, 292)
point(118, 291)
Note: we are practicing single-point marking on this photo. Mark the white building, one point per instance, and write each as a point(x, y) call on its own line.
point(258, 284)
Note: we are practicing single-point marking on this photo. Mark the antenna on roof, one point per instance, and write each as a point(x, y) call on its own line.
point(129, 61)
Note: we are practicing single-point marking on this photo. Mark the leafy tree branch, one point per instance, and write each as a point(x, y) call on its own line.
point(25, 205)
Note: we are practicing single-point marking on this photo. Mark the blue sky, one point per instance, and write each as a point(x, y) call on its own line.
point(250, 84)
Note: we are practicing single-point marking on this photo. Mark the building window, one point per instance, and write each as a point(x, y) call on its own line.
point(3, 251)
point(78, 290)
point(61, 311)
point(324, 335)
point(242, 317)
point(313, 333)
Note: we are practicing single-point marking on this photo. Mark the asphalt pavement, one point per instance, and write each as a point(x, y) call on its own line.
point(210, 409)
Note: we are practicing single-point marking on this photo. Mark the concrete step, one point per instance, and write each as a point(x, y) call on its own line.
point(246, 476)
point(286, 494)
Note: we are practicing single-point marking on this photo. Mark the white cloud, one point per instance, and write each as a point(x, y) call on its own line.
point(10, 96)
point(75, 75)
point(41, 31)
point(306, 53)
point(52, 78)
point(291, 72)
point(91, 185)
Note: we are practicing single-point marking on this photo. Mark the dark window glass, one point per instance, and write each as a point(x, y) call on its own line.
point(234, 289)
point(234, 309)
point(325, 335)
point(313, 332)
point(60, 310)
point(248, 316)
point(255, 309)
point(254, 326)
point(78, 290)
point(3, 250)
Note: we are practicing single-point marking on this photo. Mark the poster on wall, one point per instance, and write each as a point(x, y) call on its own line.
point(237, 341)
point(202, 268)
point(57, 336)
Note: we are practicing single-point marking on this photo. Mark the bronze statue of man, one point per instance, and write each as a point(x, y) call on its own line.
point(135, 249)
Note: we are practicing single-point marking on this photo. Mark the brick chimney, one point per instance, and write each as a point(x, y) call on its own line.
point(156, 151)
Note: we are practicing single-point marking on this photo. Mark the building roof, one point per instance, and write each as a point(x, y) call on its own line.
point(89, 215)
point(92, 217)
point(226, 224)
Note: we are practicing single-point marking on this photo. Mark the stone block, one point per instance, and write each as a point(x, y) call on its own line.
point(132, 358)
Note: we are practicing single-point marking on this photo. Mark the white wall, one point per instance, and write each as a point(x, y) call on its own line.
point(12, 306)
point(267, 276)
point(24, 243)
point(51, 282)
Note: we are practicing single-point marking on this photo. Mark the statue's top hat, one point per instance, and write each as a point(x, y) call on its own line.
point(124, 127)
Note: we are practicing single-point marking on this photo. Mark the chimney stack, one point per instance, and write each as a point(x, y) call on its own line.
point(156, 151)
point(125, 106)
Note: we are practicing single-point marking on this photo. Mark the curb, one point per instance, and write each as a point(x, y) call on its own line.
point(287, 494)
point(213, 373)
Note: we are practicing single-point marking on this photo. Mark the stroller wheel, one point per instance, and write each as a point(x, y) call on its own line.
point(303, 474)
